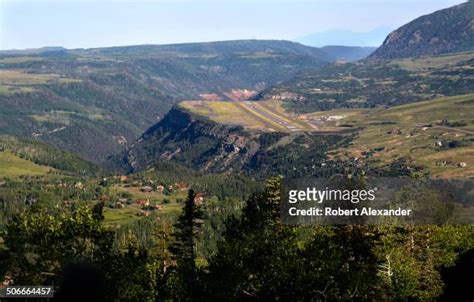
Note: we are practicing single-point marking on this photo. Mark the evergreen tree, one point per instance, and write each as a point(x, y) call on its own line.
point(98, 211)
point(256, 259)
point(187, 230)
point(262, 259)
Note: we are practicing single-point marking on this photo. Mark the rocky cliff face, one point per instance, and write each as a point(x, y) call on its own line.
point(196, 142)
point(445, 31)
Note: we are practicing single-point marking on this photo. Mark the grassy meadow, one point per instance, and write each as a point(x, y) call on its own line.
point(14, 166)
point(438, 134)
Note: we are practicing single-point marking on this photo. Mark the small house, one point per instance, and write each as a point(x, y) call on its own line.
point(142, 202)
point(181, 186)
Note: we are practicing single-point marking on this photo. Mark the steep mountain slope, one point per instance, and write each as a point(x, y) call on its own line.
point(94, 101)
point(348, 53)
point(445, 31)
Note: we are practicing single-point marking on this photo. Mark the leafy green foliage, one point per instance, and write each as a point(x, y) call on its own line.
point(261, 259)
point(214, 252)
point(35, 242)
point(38, 245)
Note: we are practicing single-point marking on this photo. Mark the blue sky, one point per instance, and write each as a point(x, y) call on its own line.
point(87, 23)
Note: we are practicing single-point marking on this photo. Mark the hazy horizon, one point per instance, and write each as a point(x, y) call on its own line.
point(35, 24)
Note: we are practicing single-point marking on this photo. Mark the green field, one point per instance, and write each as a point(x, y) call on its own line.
point(440, 61)
point(14, 166)
point(13, 80)
point(118, 217)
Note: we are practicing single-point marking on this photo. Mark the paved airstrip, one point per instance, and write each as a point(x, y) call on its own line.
point(259, 115)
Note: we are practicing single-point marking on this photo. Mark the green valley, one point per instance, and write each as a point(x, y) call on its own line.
point(170, 172)
point(95, 102)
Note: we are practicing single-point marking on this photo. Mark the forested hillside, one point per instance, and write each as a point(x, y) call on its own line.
point(95, 102)
point(376, 83)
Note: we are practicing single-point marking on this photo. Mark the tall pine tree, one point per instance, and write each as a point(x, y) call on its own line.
point(187, 230)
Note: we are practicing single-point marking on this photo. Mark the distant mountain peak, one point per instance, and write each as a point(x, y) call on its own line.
point(348, 53)
point(372, 38)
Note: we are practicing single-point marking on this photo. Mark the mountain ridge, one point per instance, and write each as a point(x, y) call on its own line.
point(214, 47)
point(327, 52)
point(445, 31)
